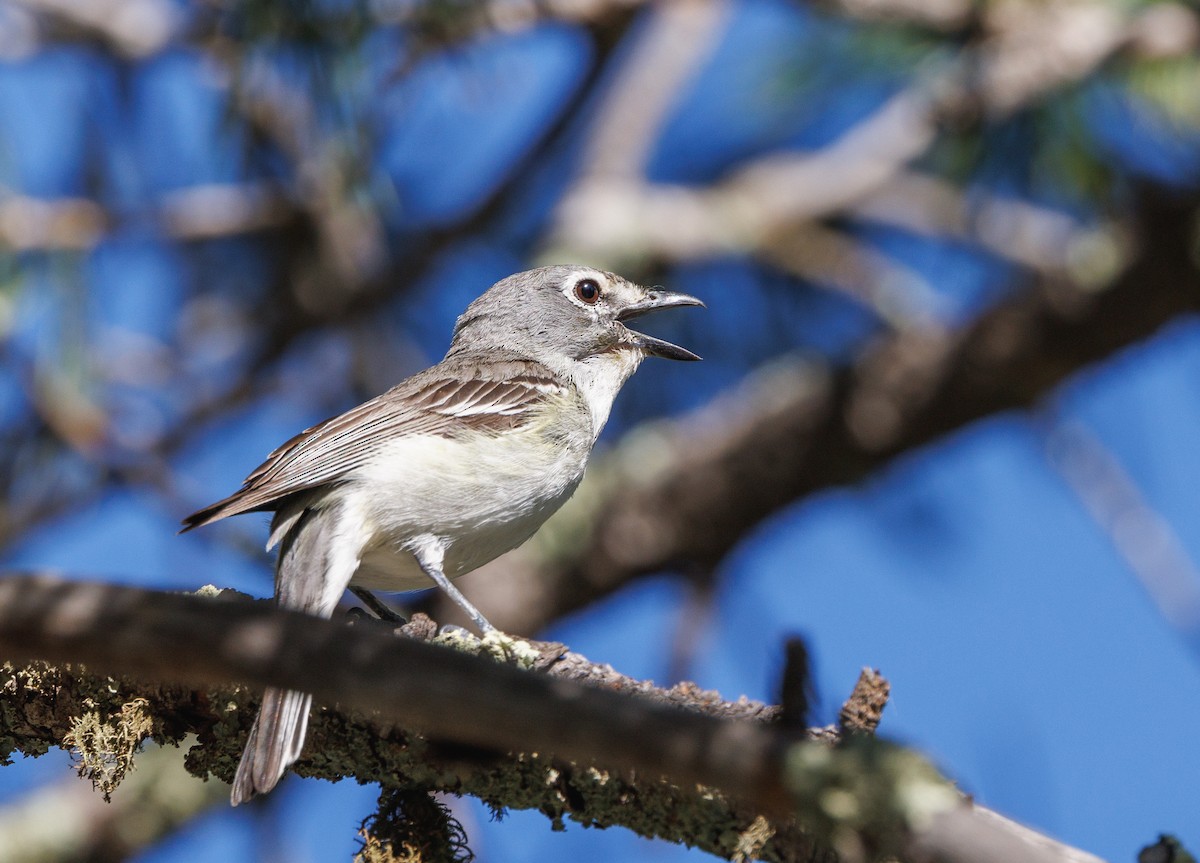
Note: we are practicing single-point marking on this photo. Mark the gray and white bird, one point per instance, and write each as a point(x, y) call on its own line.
point(447, 470)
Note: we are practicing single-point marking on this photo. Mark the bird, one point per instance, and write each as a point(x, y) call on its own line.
point(448, 469)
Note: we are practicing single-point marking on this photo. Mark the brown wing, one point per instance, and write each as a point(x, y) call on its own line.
point(446, 400)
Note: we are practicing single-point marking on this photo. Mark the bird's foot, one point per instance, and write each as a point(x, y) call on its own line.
point(360, 617)
point(377, 607)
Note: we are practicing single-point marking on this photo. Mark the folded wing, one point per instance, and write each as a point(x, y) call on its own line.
point(446, 400)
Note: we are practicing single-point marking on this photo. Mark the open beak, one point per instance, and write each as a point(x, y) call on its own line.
point(655, 300)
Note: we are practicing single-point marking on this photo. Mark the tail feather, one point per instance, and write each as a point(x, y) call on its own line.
point(274, 744)
point(303, 582)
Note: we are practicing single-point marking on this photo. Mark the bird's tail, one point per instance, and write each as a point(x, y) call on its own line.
point(307, 579)
point(275, 742)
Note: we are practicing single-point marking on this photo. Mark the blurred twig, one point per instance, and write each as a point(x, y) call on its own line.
point(1140, 534)
point(1038, 238)
point(28, 223)
point(672, 46)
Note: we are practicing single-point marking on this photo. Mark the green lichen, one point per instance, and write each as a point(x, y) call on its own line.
point(495, 645)
point(104, 744)
point(865, 795)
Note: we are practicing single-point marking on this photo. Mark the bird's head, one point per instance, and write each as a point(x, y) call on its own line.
point(568, 312)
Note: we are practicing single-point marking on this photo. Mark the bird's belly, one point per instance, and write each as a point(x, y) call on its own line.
point(479, 501)
point(390, 566)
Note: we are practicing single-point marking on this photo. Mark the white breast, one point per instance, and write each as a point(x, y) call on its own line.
point(481, 498)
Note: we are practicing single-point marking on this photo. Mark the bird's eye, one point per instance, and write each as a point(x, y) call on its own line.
point(588, 291)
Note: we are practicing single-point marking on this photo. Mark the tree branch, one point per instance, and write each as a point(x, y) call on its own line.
point(596, 749)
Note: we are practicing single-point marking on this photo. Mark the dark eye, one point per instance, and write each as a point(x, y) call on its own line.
point(588, 290)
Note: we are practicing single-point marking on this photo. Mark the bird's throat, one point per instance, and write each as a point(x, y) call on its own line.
point(599, 379)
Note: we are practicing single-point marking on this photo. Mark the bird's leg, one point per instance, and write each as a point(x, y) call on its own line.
point(429, 554)
point(376, 605)
point(454, 593)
